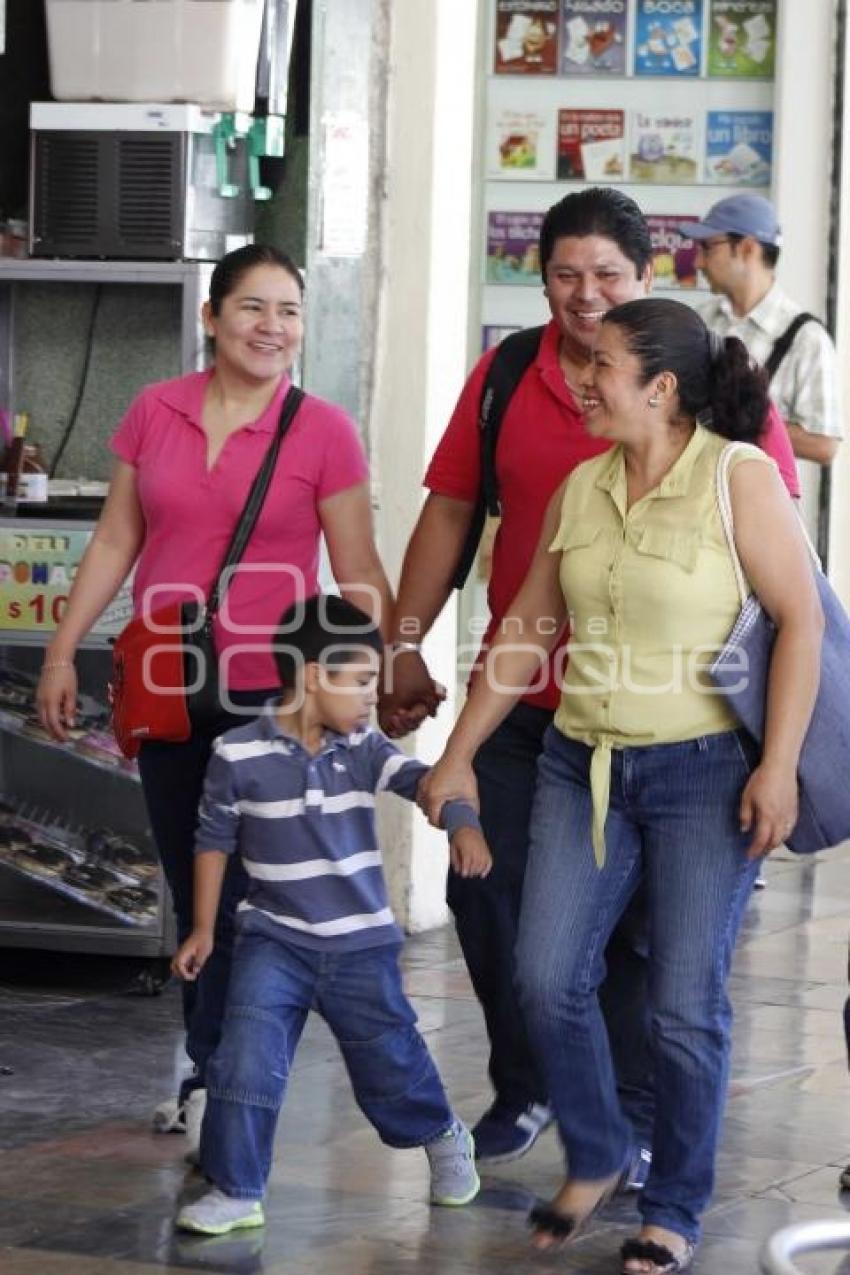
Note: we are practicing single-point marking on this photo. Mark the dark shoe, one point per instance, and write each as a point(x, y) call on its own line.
point(844, 1179)
point(636, 1171)
point(505, 1133)
point(661, 1260)
point(558, 1227)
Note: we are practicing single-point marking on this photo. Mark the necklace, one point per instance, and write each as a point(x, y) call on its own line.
point(577, 393)
point(564, 365)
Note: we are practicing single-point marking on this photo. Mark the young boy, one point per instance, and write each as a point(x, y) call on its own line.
point(293, 793)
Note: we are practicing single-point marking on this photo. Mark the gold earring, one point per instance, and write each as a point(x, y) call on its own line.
point(654, 400)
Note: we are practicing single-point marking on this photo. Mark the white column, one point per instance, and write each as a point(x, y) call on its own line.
point(421, 354)
point(804, 105)
point(839, 527)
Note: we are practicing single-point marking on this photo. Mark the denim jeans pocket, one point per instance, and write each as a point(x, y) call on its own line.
point(749, 750)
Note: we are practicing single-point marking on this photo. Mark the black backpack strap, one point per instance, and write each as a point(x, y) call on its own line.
point(511, 361)
point(783, 343)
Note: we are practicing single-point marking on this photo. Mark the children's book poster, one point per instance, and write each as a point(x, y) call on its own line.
point(739, 147)
point(668, 37)
point(591, 146)
point(521, 145)
point(593, 37)
point(526, 37)
point(663, 148)
point(673, 253)
point(494, 334)
point(513, 251)
point(742, 38)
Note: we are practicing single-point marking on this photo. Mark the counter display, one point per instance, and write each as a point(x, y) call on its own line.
point(78, 869)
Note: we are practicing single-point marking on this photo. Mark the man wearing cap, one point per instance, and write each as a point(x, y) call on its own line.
point(738, 244)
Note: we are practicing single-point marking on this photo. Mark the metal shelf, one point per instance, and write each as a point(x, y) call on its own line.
point(191, 277)
point(14, 725)
point(64, 270)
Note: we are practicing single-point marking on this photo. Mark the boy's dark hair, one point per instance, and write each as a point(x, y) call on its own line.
point(603, 211)
point(324, 629)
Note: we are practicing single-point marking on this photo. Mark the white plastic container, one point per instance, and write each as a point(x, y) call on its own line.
point(202, 51)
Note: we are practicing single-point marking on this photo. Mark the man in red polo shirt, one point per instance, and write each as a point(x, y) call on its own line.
point(595, 253)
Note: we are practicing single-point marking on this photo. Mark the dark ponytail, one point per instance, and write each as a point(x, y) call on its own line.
point(738, 398)
point(717, 384)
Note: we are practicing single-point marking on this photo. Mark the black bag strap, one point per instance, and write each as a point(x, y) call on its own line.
point(783, 343)
point(514, 356)
point(256, 497)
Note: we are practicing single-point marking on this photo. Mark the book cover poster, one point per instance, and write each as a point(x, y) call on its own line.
point(521, 145)
point(742, 38)
point(668, 37)
point(593, 37)
point(673, 253)
point(739, 147)
point(513, 250)
point(663, 148)
point(526, 37)
point(493, 334)
point(591, 146)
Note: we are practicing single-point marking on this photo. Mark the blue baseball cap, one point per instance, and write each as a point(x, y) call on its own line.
point(738, 215)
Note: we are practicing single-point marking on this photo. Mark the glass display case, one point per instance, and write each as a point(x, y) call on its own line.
point(78, 869)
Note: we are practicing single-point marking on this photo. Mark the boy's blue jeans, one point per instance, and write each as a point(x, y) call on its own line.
point(273, 986)
point(674, 823)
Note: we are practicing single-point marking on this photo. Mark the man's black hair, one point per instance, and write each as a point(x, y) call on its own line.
point(769, 251)
point(324, 629)
point(603, 211)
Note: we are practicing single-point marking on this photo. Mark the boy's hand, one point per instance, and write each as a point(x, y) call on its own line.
point(191, 957)
point(469, 854)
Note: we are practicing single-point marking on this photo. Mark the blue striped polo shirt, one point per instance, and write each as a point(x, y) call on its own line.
point(304, 825)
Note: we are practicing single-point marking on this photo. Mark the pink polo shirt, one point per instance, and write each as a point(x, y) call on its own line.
point(190, 512)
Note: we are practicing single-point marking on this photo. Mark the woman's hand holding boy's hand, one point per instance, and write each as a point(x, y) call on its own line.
point(191, 956)
point(448, 780)
point(469, 853)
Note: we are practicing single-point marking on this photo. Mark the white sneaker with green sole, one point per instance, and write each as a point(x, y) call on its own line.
point(217, 1214)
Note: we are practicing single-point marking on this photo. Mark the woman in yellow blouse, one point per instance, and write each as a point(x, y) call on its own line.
point(645, 775)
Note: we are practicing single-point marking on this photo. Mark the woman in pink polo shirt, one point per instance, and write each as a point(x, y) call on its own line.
point(186, 454)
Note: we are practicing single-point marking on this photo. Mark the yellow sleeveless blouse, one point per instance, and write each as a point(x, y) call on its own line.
point(651, 595)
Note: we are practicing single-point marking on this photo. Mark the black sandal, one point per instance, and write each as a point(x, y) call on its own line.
point(664, 1260)
point(544, 1220)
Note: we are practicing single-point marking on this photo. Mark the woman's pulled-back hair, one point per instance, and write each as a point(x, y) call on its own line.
point(233, 265)
point(716, 380)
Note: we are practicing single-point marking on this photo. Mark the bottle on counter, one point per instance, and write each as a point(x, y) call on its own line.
point(23, 472)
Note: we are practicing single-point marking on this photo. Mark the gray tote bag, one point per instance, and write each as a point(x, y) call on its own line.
point(740, 674)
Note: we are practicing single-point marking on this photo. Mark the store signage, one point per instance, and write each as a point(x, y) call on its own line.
point(37, 569)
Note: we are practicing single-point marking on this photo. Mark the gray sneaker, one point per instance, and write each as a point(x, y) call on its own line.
point(454, 1180)
point(216, 1214)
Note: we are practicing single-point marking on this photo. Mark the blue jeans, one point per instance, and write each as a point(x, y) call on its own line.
point(673, 822)
point(172, 778)
point(486, 914)
point(273, 986)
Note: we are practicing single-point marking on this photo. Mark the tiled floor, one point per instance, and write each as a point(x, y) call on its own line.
point(86, 1189)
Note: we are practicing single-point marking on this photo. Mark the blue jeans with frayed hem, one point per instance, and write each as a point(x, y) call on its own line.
point(672, 826)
